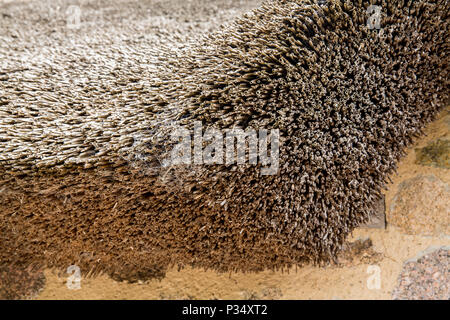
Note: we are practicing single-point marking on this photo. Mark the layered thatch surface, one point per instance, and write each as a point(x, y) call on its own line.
point(80, 161)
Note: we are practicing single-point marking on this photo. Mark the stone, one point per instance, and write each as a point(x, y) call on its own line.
point(421, 206)
point(436, 154)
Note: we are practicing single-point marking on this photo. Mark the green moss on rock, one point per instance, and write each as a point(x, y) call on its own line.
point(436, 154)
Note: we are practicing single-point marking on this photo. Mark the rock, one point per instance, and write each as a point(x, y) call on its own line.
point(425, 278)
point(436, 154)
point(421, 206)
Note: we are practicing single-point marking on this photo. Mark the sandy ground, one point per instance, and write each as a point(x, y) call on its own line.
point(352, 280)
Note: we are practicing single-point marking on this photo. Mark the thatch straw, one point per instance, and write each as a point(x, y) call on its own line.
point(80, 162)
